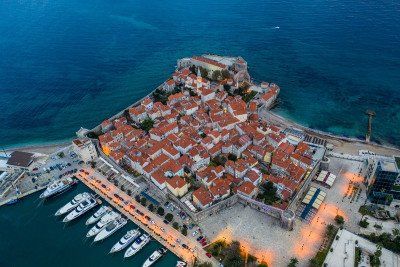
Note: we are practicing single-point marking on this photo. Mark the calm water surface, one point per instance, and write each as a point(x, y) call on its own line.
point(66, 64)
point(30, 235)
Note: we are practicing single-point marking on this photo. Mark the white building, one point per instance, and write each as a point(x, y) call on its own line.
point(85, 149)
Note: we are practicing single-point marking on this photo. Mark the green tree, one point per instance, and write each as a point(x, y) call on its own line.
point(225, 74)
point(339, 219)
point(151, 207)
point(169, 217)
point(293, 262)
point(204, 264)
point(363, 223)
point(262, 265)
point(175, 225)
point(232, 255)
point(184, 231)
point(143, 201)
point(147, 124)
point(160, 211)
point(216, 75)
point(203, 72)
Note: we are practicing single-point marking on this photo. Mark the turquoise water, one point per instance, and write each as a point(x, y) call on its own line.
point(66, 64)
point(30, 235)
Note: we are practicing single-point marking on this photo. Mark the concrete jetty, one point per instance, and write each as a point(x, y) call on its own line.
point(163, 233)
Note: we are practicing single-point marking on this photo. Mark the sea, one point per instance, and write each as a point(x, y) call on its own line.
point(71, 64)
point(30, 235)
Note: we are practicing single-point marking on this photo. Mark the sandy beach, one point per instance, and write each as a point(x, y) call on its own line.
point(41, 148)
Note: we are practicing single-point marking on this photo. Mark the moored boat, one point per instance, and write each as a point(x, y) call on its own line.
point(137, 245)
point(81, 209)
point(181, 264)
point(98, 214)
point(127, 239)
point(104, 221)
point(110, 229)
point(155, 256)
point(73, 203)
point(58, 187)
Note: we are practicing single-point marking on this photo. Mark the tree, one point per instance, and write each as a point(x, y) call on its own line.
point(147, 124)
point(160, 211)
point(143, 201)
point(396, 232)
point(203, 72)
point(129, 192)
point(339, 219)
point(227, 87)
point(184, 231)
point(232, 157)
point(330, 230)
point(263, 264)
point(169, 217)
point(175, 225)
point(293, 262)
point(205, 264)
point(232, 255)
point(216, 75)
point(151, 207)
point(225, 74)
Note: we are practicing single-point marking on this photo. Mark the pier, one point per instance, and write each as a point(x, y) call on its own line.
point(160, 231)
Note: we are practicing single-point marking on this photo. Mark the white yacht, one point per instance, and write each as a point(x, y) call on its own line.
point(58, 186)
point(137, 245)
point(73, 203)
point(104, 221)
point(110, 229)
point(82, 208)
point(181, 264)
point(155, 256)
point(125, 240)
point(98, 214)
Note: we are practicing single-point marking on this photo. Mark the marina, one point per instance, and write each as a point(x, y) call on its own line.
point(30, 219)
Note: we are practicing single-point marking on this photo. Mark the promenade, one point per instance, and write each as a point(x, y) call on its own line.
point(163, 233)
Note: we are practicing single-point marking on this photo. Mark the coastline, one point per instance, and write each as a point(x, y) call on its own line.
point(43, 148)
point(343, 144)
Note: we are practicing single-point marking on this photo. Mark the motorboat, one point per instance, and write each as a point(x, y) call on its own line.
point(155, 256)
point(98, 214)
point(127, 239)
point(82, 208)
point(181, 264)
point(58, 187)
point(73, 203)
point(104, 221)
point(110, 229)
point(137, 245)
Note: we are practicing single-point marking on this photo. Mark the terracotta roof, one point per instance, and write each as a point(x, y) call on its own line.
point(176, 182)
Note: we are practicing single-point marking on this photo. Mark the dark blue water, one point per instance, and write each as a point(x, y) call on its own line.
point(66, 64)
point(30, 235)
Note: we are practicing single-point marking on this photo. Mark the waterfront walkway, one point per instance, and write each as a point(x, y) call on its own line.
point(163, 233)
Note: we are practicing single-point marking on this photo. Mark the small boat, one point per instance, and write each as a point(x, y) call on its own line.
point(82, 208)
point(125, 240)
point(73, 203)
point(110, 229)
point(155, 256)
point(58, 187)
point(12, 201)
point(104, 221)
point(181, 264)
point(137, 245)
point(98, 214)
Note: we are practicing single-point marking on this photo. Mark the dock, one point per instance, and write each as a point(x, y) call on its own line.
point(160, 231)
